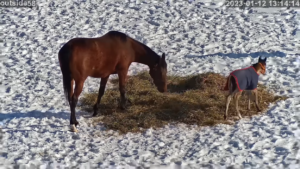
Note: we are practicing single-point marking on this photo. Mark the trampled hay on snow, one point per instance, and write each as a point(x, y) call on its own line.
point(193, 100)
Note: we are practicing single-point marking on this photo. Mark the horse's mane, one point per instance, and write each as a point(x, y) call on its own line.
point(117, 34)
point(256, 66)
point(149, 51)
point(141, 48)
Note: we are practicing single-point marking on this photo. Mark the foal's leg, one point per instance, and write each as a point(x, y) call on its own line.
point(256, 100)
point(229, 96)
point(122, 80)
point(77, 92)
point(227, 105)
point(249, 98)
point(237, 97)
point(100, 94)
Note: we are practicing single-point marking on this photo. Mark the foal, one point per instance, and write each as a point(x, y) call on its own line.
point(100, 57)
point(244, 79)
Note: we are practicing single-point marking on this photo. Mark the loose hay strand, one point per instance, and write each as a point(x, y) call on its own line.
point(196, 99)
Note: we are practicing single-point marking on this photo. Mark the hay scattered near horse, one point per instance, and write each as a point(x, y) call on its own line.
point(196, 99)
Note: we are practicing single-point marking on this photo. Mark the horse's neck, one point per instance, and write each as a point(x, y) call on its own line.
point(144, 56)
point(256, 67)
point(145, 59)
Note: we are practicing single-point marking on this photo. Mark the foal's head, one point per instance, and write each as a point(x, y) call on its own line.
point(159, 74)
point(260, 66)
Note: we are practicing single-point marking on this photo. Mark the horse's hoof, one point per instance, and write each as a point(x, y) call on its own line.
point(95, 113)
point(129, 101)
point(123, 108)
point(225, 117)
point(73, 128)
point(95, 110)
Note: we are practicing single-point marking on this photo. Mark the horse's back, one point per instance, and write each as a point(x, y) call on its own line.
point(118, 35)
point(246, 78)
point(98, 57)
point(113, 39)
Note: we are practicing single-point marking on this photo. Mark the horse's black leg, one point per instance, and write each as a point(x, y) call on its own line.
point(122, 80)
point(77, 91)
point(73, 120)
point(71, 92)
point(100, 94)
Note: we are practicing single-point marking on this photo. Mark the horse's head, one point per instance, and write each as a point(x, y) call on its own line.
point(262, 65)
point(159, 74)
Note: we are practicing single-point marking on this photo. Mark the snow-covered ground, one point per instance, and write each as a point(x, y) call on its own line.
point(197, 37)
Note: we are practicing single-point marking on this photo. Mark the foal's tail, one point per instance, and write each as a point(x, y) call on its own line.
point(64, 56)
point(228, 84)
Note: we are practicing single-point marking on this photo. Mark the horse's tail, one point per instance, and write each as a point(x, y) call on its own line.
point(64, 56)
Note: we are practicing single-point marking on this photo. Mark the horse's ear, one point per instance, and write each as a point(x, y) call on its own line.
point(163, 56)
point(162, 60)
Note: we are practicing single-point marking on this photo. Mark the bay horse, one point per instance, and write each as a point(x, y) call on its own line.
point(244, 79)
point(100, 57)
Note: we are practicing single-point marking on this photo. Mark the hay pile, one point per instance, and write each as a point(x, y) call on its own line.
point(192, 100)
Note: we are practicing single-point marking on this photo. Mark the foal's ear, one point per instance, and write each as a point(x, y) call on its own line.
point(265, 59)
point(262, 60)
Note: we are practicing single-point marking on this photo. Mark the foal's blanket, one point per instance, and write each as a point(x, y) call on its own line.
point(246, 79)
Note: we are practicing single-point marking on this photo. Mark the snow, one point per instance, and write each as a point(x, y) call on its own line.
point(197, 36)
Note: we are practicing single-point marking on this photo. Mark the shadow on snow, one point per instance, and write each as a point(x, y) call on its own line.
point(241, 55)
